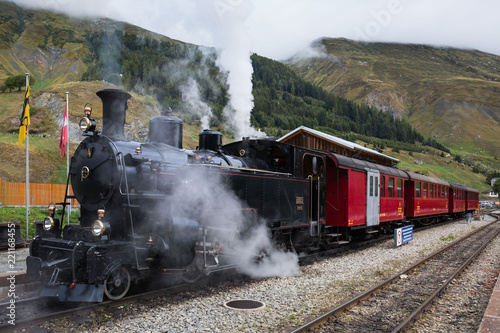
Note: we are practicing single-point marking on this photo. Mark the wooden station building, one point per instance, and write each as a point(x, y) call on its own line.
point(312, 139)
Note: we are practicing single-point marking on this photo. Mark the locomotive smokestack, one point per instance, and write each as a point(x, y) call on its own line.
point(114, 107)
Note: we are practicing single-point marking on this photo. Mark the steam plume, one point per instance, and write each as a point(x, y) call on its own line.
point(191, 95)
point(235, 42)
point(206, 198)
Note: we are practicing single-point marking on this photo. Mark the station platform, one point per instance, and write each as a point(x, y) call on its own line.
point(491, 318)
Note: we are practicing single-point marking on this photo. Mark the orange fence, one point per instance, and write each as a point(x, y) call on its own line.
point(14, 194)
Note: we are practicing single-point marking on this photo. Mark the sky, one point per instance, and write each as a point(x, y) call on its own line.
point(280, 28)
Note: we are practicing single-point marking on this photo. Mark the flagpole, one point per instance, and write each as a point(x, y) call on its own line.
point(67, 149)
point(27, 170)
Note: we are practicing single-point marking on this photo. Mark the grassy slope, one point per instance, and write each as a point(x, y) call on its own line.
point(441, 167)
point(452, 95)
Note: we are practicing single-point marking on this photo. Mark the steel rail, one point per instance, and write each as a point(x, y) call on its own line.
point(428, 302)
point(20, 324)
point(352, 302)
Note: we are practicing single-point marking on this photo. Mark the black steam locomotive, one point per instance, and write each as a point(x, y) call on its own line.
point(155, 209)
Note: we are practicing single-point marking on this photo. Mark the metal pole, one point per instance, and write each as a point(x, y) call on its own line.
point(27, 169)
point(67, 150)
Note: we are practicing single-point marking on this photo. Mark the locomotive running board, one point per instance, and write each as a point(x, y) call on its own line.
point(79, 292)
point(333, 235)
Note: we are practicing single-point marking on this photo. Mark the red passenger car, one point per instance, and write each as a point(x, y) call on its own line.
point(392, 194)
point(361, 195)
point(472, 200)
point(463, 199)
point(457, 199)
point(426, 197)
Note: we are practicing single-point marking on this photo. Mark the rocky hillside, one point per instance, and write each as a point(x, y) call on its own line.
point(448, 94)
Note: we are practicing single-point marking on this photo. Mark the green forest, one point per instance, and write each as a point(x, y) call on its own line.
point(283, 101)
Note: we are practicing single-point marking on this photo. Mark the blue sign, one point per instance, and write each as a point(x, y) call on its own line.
point(403, 235)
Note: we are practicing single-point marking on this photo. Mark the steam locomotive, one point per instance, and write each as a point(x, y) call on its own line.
point(153, 209)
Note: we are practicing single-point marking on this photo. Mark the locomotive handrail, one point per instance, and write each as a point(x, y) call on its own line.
point(66, 196)
point(335, 208)
point(124, 176)
point(73, 270)
point(286, 174)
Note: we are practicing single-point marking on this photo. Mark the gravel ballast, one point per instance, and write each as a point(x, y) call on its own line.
point(291, 301)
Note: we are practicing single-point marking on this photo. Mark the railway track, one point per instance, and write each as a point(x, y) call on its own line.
point(397, 302)
point(32, 312)
point(56, 310)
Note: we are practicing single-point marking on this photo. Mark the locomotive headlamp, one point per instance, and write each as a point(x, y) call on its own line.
point(87, 125)
point(50, 226)
point(48, 223)
point(100, 228)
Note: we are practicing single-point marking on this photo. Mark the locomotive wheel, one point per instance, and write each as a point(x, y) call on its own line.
point(192, 274)
point(117, 283)
point(193, 271)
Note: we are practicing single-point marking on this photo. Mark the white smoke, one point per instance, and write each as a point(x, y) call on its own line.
point(273, 262)
point(236, 44)
point(206, 198)
point(191, 95)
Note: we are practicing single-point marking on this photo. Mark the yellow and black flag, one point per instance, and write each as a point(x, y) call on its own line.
point(25, 117)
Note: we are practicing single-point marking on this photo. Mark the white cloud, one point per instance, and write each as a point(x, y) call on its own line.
point(279, 28)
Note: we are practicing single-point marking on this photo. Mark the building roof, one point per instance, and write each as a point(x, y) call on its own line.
point(337, 141)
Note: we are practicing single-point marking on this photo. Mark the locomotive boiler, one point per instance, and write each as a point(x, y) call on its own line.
point(155, 209)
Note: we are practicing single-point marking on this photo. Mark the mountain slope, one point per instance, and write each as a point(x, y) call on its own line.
point(53, 47)
point(59, 51)
point(448, 94)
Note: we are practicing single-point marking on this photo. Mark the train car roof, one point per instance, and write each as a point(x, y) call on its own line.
point(463, 187)
point(425, 178)
point(365, 165)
